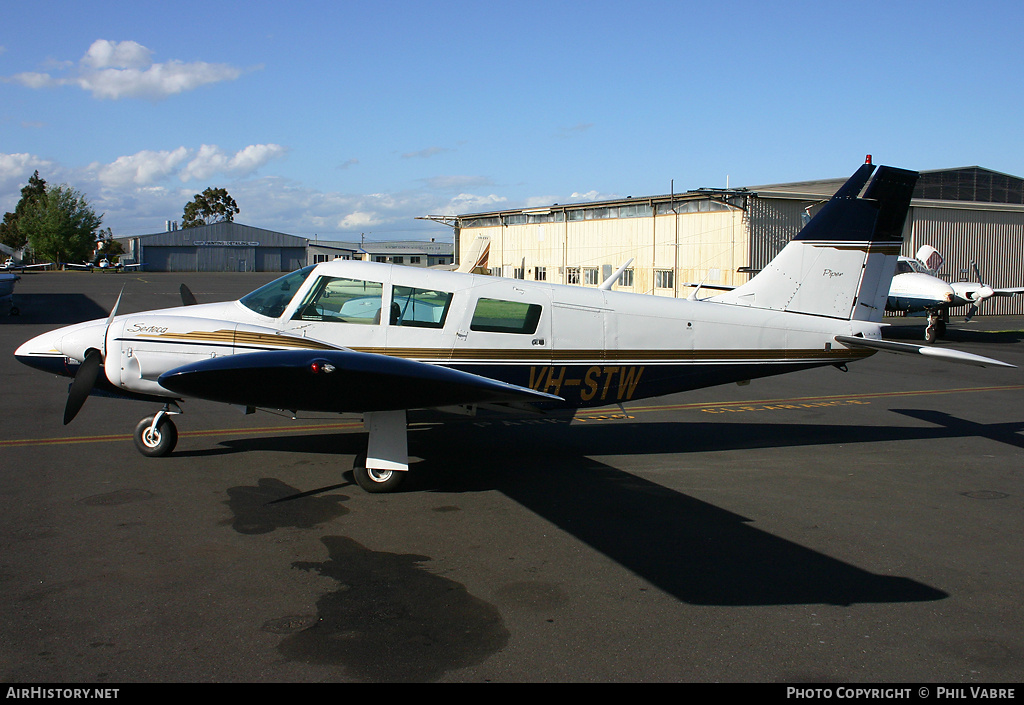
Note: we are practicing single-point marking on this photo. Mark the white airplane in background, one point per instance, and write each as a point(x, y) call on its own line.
point(376, 339)
point(7, 282)
point(10, 265)
point(916, 288)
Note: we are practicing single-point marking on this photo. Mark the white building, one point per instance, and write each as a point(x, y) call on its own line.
point(722, 236)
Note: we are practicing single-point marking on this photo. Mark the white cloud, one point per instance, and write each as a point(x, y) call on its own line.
point(150, 167)
point(470, 203)
point(105, 54)
point(425, 153)
point(211, 160)
point(33, 79)
point(15, 170)
point(140, 169)
point(114, 70)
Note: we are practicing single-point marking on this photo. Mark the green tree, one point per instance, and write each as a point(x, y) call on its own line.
point(213, 205)
point(61, 226)
point(108, 246)
point(10, 233)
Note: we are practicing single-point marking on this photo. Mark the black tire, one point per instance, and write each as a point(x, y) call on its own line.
point(377, 480)
point(160, 441)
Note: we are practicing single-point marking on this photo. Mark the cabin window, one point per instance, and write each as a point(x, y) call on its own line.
point(419, 308)
point(497, 316)
point(341, 300)
point(273, 298)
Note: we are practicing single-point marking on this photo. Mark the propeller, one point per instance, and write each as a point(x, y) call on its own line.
point(89, 371)
point(83, 383)
point(978, 296)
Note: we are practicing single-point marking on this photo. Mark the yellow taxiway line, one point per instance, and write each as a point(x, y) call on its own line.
point(587, 415)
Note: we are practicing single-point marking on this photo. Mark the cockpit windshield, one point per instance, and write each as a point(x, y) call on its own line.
point(907, 266)
point(272, 299)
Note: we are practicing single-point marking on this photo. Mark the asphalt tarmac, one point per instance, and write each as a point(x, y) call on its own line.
point(821, 527)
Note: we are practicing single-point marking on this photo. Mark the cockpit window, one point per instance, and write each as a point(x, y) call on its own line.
point(341, 300)
point(273, 298)
point(420, 308)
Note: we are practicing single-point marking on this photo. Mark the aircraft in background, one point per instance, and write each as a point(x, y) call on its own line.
point(7, 282)
point(10, 265)
point(916, 288)
point(379, 339)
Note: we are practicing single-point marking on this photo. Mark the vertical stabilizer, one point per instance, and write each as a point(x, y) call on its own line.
point(841, 264)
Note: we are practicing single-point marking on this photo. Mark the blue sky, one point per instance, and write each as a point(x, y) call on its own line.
point(335, 119)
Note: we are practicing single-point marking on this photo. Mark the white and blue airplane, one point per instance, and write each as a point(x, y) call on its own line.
point(917, 288)
point(380, 340)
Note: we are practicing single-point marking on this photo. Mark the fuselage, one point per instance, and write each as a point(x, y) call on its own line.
point(590, 347)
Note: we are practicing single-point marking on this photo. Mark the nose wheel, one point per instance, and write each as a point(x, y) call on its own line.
point(156, 435)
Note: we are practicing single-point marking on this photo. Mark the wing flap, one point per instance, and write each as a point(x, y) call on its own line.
point(945, 354)
point(338, 381)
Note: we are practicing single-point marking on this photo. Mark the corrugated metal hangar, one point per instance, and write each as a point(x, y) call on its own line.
point(722, 236)
point(219, 247)
point(234, 247)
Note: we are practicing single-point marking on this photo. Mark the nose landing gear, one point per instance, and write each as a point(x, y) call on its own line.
point(156, 435)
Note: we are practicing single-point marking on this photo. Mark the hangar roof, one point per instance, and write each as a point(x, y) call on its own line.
point(969, 184)
point(223, 233)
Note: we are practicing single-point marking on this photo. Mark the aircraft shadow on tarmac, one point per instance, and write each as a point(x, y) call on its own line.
point(699, 553)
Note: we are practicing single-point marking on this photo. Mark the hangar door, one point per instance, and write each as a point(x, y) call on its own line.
point(170, 259)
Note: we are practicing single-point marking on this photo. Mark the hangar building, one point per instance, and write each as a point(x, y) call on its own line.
point(219, 247)
point(723, 236)
point(233, 247)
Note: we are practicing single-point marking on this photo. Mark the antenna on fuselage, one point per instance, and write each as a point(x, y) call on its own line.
point(610, 281)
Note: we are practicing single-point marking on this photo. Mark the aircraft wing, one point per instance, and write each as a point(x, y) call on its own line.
point(338, 381)
point(945, 354)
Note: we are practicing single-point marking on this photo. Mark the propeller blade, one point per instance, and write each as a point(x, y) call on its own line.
point(83, 383)
point(187, 298)
point(970, 312)
point(110, 319)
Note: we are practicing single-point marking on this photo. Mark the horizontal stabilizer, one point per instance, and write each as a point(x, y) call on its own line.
point(944, 354)
point(338, 381)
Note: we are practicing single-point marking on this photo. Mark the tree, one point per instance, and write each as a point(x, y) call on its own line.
point(108, 246)
point(10, 233)
point(61, 226)
point(213, 205)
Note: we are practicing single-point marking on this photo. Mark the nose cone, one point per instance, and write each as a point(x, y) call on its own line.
point(59, 351)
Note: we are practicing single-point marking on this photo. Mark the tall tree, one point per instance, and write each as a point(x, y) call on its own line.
point(61, 226)
point(10, 233)
point(211, 206)
point(108, 246)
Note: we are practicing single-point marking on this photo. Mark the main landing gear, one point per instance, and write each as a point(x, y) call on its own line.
point(387, 452)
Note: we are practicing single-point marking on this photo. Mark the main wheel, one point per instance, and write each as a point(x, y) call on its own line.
point(376, 480)
point(156, 442)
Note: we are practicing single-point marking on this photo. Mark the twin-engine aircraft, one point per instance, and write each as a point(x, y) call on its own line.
point(377, 339)
point(916, 288)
